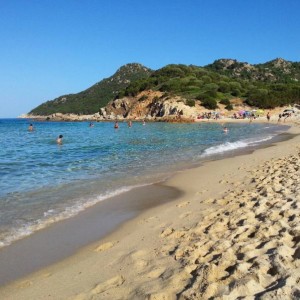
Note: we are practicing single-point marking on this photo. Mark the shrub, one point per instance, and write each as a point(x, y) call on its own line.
point(236, 93)
point(190, 102)
point(229, 107)
point(224, 87)
point(225, 101)
point(206, 79)
point(209, 103)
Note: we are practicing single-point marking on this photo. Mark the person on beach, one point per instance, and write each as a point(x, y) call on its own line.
point(251, 118)
point(116, 125)
point(30, 127)
point(279, 118)
point(287, 116)
point(59, 139)
point(268, 116)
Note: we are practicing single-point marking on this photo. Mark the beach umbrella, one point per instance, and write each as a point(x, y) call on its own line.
point(260, 112)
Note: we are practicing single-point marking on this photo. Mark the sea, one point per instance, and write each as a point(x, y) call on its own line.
point(42, 182)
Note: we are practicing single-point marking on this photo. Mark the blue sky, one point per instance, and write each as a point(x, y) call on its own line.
point(55, 47)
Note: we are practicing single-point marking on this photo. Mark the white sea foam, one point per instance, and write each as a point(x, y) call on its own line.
point(230, 146)
point(224, 148)
point(51, 216)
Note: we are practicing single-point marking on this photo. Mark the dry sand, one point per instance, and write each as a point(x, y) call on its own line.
point(234, 234)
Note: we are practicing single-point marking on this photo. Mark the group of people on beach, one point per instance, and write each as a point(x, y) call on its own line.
point(208, 116)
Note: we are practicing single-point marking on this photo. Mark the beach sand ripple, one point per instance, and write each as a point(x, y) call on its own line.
point(250, 246)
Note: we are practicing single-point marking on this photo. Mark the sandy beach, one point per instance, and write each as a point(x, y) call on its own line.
point(233, 233)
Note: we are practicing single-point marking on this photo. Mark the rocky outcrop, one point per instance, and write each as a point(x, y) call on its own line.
point(147, 105)
point(151, 105)
point(64, 117)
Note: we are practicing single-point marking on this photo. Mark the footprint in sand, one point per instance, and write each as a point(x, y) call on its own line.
point(201, 192)
point(138, 254)
point(81, 296)
point(167, 232)
point(25, 284)
point(185, 215)
point(162, 296)
point(46, 275)
point(223, 181)
point(141, 264)
point(150, 219)
point(156, 273)
point(105, 246)
point(183, 204)
point(109, 284)
point(210, 200)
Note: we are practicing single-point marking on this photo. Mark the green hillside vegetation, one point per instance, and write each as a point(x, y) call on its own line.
point(277, 70)
point(211, 86)
point(95, 97)
point(268, 85)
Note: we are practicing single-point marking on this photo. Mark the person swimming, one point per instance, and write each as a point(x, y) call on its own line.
point(59, 139)
point(116, 125)
point(30, 127)
point(225, 129)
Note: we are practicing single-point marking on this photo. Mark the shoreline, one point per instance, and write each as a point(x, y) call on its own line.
point(210, 155)
point(188, 209)
point(65, 237)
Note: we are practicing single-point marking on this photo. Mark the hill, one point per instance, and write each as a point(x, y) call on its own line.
point(90, 100)
point(277, 70)
point(268, 85)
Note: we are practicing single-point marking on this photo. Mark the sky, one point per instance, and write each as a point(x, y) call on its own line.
point(54, 47)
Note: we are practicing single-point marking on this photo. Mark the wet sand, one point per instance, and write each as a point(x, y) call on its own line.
point(64, 238)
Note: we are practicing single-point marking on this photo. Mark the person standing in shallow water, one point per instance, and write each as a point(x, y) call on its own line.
point(30, 127)
point(59, 139)
point(268, 116)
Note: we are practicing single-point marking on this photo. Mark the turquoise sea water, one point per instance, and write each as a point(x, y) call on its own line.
point(42, 182)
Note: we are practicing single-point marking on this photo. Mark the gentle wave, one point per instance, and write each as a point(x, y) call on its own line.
point(51, 216)
point(230, 146)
